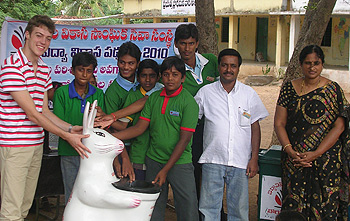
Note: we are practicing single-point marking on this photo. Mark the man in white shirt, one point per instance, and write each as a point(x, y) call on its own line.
point(231, 140)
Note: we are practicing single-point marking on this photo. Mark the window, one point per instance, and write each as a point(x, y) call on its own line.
point(327, 37)
point(225, 29)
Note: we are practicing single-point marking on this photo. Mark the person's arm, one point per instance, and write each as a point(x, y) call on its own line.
point(127, 134)
point(99, 111)
point(49, 121)
point(127, 168)
point(109, 119)
point(330, 139)
point(280, 122)
point(132, 131)
point(252, 168)
point(185, 138)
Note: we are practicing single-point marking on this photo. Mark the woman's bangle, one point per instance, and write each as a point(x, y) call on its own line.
point(114, 117)
point(285, 146)
point(70, 128)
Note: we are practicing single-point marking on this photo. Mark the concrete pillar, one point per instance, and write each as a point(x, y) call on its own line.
point(293, 33)
point(279, 41)
point(284, 37)
point(233, 32)
point(126, 21)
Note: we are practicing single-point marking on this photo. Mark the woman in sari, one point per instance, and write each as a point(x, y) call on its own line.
point(309, 123)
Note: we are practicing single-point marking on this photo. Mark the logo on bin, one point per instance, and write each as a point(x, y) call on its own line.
point(271, 197)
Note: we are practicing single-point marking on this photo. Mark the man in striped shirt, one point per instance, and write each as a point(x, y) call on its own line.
point(24, 81)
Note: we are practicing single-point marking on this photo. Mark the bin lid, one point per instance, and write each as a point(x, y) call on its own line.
point(139, 186)
point(273, 154)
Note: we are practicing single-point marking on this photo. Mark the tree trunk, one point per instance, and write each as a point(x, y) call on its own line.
point(205, 21)
point(317, 16)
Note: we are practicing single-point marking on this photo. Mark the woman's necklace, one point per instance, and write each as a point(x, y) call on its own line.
point(301, 90)
point(303, 84)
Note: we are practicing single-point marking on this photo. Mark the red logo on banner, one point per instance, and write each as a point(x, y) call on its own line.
point(17, 38)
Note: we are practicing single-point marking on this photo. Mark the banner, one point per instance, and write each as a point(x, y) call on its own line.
point(155, 41)
point(178, 7)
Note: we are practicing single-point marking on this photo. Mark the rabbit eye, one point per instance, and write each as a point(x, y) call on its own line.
point(100, 134)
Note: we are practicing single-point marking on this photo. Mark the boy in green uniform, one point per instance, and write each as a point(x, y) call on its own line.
point(201, 69)
point(147, 76)
point(128, 61)
point(69, 104)
point(171, 115)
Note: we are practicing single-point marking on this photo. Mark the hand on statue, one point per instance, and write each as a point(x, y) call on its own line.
point(75, 141)
point(128, 170)
point(99, 112)
point(104, 121)
point(117, 167)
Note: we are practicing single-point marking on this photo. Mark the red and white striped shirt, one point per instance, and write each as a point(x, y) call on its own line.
point(17, 74)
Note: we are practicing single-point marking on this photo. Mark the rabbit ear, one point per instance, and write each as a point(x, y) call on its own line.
point(92, 115)
point(85, 118)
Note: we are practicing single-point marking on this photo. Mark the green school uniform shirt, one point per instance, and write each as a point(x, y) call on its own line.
point(209, 73)
point(167, 116)
point(117, 92)
point(69, 107)
point(140, 144)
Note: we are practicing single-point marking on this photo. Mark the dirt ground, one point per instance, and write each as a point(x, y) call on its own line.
point(268, 95)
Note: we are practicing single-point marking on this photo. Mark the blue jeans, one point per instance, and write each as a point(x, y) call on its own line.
point(69, 167)
point(214, 177)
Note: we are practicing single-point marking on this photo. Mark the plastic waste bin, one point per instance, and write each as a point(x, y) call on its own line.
point(270, 183)
point(146, 191)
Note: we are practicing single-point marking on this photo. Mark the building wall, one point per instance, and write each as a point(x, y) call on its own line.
point(247, 39)
point(218, 25)
point(271, 42)
point(259, 5)
point(134, 6)
point(338, 53)
point(340, 5)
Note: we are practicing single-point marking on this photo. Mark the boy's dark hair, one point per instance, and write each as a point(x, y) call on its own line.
point(56, 85)
point(148, 63)
point(309, 50)
point(129, 48)
point(39, 20)
point(84, 59)
point(185, 31)
point(230, 52)
point(290, 215)
point(173, 61)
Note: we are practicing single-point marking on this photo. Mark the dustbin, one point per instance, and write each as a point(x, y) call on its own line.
point(270, 183)
point(146, 191)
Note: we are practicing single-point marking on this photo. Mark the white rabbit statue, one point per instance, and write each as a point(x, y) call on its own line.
point(93, 197)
